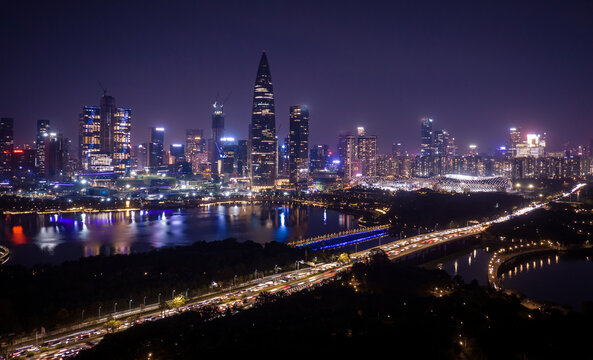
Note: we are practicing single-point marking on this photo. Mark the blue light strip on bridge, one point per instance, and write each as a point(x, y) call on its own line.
point(342, 236)
point(352, 241)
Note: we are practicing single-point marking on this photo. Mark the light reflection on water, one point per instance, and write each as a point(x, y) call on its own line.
point(60, 237)
point(553, 278)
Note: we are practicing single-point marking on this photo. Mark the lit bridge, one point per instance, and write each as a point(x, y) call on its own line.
point(342, 238)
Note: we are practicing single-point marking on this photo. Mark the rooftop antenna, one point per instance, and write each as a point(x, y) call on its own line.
point(102, 88)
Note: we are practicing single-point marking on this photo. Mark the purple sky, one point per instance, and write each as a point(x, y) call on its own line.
point(476, 68)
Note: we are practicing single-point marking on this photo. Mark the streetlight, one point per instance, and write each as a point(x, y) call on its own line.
point(159, 300)
point(115, 308)
point(99, 310)
point(130, 305)
point(144, 301)
point(186, 293)
point(173, 295)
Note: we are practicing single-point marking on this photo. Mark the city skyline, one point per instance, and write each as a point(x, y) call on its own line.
point(537, 93)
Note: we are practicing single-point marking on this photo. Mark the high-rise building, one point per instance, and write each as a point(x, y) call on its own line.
point(42, 133)
point(121, 141)
point(56, 156)
point(6, 146)
point(440, 143)
point(89, 135)
point(299, 146)
point(23, 163)
point(139, 157)
point(217, 121)
point(227, 162)
point(283, 158)
point(156, 147)
point(177, 153)
point(347, 155)
point(426, 137)
point(397, 150)
point(263, 128)
point(319, 157)
point(367, 154)
point(514, 140)
point(107, 116)
point(194, 142)
point(214, 144)
point(243, 157)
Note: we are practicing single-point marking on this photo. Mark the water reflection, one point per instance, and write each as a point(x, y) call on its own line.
point(59, 237)
point(566, 279)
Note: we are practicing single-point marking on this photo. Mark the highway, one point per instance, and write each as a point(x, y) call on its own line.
point(71, 341)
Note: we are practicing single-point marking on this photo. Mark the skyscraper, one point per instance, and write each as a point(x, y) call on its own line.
point(89, 136)
point(299, 146)
point(263, 128)
point(194, 142)
point(367, 154)
point(6, 146)
point(347, 155)
point(140, 157)
point(319, 157)
point(177, 153)
point(514, 140)
point(42, 133)
point(440, 141)
point(397, 150)
point(121, 143)
point(214, 145)
point(107, 116)
point(156, 147)
point(56, 156)
point(283, 158)
point(217, 120)
point(426, 137)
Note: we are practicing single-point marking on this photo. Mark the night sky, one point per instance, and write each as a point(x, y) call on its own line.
point(476, 68)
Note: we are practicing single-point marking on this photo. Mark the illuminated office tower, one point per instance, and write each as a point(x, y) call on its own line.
point(299, 146)
point(283, 158)
point(215, 145)
point(42, 133)
point(440, 143)
point(426, 137)
point(89, 136)
point(194, 143)
point(243, 157)
point(156, 147)
point(318, 157)
point(347, 155)
point(177, 153)
point(6, 146)
point(107, 117)
point(140, 157)
point(397, 150)
point(121, 141)
point(56, 156)
point(217, 121)
point(514, 140)
point(263, 128)
point(367, 154)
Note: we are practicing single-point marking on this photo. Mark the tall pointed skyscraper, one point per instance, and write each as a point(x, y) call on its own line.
point(263, 128)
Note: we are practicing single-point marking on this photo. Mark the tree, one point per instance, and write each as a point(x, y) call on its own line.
point(344, 258)
point(112, 324)
point(178, 301)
